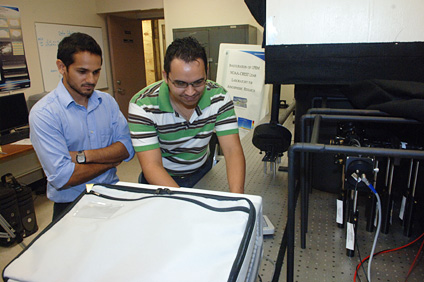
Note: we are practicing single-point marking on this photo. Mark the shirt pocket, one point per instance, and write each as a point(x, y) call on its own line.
point(106, 136)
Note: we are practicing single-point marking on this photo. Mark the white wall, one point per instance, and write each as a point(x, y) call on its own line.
point(199, 13)
point(178, 14)
point(344, 21)
point(75, 12)
point(187, 13)
point(113, 6)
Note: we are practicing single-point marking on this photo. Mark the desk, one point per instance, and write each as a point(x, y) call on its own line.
point(22, 162)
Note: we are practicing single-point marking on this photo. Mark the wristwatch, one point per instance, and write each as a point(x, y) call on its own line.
point(81, 157)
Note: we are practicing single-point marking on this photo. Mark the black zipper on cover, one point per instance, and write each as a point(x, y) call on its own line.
point(163, 192)
point(242, 251)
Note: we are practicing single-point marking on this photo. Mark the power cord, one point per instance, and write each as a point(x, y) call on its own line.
point(270, 261)
point(259, 278)
point(386, 251)
point(377, 233)
point(370, 257)
point(415, 261)
point(356, 241)
point(360, 259)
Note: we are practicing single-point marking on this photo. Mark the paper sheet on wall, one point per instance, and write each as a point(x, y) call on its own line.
point(243, 75)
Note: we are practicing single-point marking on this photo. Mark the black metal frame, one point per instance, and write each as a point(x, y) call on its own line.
point(305, 149)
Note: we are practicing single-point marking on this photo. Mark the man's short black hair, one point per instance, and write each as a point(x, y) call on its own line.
point(75, 43)
point(187, 49)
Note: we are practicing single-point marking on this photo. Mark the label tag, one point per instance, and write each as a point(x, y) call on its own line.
point(350, 238)
point(339, 216)
point(391, 213)
point(402, 208)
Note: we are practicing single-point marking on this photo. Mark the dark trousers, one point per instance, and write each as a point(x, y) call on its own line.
point(58, 208)
point(187, 180)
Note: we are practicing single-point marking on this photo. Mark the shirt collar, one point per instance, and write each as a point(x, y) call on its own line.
point(165, 102)
point(205, 101)
point(163, 98)
point(66, 99)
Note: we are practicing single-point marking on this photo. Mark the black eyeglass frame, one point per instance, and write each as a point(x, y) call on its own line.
point(183, 84)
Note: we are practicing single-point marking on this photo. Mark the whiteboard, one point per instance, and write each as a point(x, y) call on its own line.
point(48, 38)
point(343, 21)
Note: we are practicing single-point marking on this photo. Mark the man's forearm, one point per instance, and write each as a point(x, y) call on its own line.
point(160, 177)
point(235, 161)
point(114, 153)
point(153, 170)
point(236, 170)
point(85, 172)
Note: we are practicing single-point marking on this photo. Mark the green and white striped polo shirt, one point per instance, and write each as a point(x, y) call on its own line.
point(154, 124)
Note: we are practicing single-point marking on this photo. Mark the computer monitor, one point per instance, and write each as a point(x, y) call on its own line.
point(13, 112)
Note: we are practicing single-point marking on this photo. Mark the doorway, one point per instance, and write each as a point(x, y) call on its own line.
point(153, 43)
point(136, 51)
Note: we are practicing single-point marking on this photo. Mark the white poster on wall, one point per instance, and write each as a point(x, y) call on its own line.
point(241, 71)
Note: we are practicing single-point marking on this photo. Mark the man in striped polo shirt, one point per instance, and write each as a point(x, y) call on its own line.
point(172, 121)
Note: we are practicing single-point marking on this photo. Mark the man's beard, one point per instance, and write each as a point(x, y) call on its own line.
point(84, 94)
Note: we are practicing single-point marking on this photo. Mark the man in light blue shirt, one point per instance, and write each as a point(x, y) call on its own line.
point(79, 134)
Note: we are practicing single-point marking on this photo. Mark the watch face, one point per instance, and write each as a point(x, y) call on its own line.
point(80, 157)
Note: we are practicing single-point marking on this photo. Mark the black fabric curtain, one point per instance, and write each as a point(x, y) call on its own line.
point(397, 98)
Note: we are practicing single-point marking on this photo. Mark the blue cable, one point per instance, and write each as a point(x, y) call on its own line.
point(378, 226)
point(372, 188)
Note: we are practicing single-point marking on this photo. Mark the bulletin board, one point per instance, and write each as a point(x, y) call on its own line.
point(48, 38)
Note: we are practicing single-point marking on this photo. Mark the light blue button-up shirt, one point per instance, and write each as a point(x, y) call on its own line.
point(59, 125)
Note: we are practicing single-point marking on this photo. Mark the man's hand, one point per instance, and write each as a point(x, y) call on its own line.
point(153, 170)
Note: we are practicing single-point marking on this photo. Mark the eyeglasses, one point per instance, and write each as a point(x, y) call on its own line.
point(183, 84)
